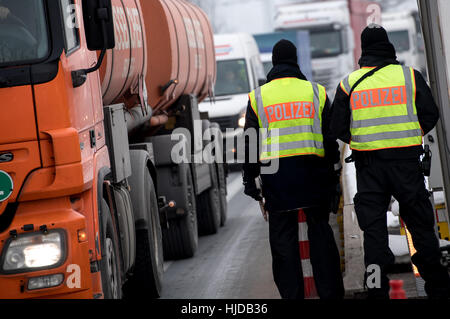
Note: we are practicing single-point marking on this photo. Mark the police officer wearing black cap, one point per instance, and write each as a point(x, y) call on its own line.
point(307, 182)
point(382, 110)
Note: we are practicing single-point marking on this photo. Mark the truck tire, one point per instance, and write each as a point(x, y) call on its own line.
point(208, 213)
point(180, 239)
point(148, 270)
point(109, 264)
point(222, 192)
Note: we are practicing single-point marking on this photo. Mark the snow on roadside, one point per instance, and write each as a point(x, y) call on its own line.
point(439, 197)
point(393, 220)
point(395, 208)
point(398, 245)
point(443, 243)
point(349, 176)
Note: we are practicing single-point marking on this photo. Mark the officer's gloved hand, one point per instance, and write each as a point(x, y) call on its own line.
point(337, 173)
point(336, 199)
point(252, 191)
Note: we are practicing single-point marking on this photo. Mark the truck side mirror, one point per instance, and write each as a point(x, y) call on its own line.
point(99, 29)
point(98, 24)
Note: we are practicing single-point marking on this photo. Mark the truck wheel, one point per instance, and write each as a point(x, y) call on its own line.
point(222, 192)
point(109, 265)
point(209, 208)
point(148, 268)
point(180, 240)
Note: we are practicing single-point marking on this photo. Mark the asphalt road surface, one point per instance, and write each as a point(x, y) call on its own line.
point(235, 263)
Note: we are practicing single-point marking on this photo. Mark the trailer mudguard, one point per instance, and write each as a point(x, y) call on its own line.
point(167, 148)
point(139, 163)
point(172, 184)
point(148, 147)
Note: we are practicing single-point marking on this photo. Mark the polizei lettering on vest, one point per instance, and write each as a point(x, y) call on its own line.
point(379, 97)
point(193, 309)
point(289, 111)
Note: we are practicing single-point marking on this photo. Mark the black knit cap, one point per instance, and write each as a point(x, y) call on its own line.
point(375, 41)
point(284, 51)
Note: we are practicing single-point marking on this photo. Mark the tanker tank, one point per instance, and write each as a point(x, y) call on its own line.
point(164, 49)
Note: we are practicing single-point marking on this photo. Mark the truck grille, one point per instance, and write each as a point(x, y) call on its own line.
point(324, 77)
point(226, 122)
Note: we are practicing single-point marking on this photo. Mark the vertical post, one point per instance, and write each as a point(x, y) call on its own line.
point(303, 242)
point(434, 34)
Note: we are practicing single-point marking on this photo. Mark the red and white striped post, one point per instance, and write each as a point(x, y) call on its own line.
point(303, 242)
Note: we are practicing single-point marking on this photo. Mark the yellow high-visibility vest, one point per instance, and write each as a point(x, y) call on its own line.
point(289, 111)
point(383, 109)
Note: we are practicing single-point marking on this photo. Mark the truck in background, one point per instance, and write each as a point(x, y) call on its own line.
point(239, 71)
point(402, 32)
point(266, 42)
point(335, 28)
point(92, 200)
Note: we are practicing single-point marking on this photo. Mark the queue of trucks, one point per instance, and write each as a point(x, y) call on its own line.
point(335, 27)
point(327, 35)
point(118, 115)
point(334, 34)
point(96, 95)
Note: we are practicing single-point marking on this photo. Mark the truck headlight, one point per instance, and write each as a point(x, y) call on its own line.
point(241, 121)
point(34, 251)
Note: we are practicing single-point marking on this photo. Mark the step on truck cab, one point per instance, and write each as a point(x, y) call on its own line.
point(91, 202)
point(239, 71)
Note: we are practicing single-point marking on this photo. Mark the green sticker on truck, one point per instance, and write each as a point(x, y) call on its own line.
point(6, 186)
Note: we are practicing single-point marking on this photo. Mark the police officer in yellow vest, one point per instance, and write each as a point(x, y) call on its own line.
point(383, 110)
point(294, 114)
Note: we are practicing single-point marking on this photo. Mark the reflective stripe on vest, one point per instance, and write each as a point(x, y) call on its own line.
point(294, 127)
point(383, 109)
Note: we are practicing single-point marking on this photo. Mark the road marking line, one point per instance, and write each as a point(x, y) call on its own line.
point(167, 265)
point(234, 187)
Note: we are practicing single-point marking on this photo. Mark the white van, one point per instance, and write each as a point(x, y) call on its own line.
point(239, 71)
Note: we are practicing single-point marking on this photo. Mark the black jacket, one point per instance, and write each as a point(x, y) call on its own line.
point(301, 181)
point(427, 112)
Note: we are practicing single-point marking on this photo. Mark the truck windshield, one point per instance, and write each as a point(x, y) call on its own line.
point(267, 41)
point(325, 43)
point(400, 40)
point(232, 77)
point(23, 32)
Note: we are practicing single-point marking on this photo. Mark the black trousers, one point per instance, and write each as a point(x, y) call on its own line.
point(378, 180)
point(324, 254)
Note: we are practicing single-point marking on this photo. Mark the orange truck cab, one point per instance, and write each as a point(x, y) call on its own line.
point(52, 144)
point(90, 200)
